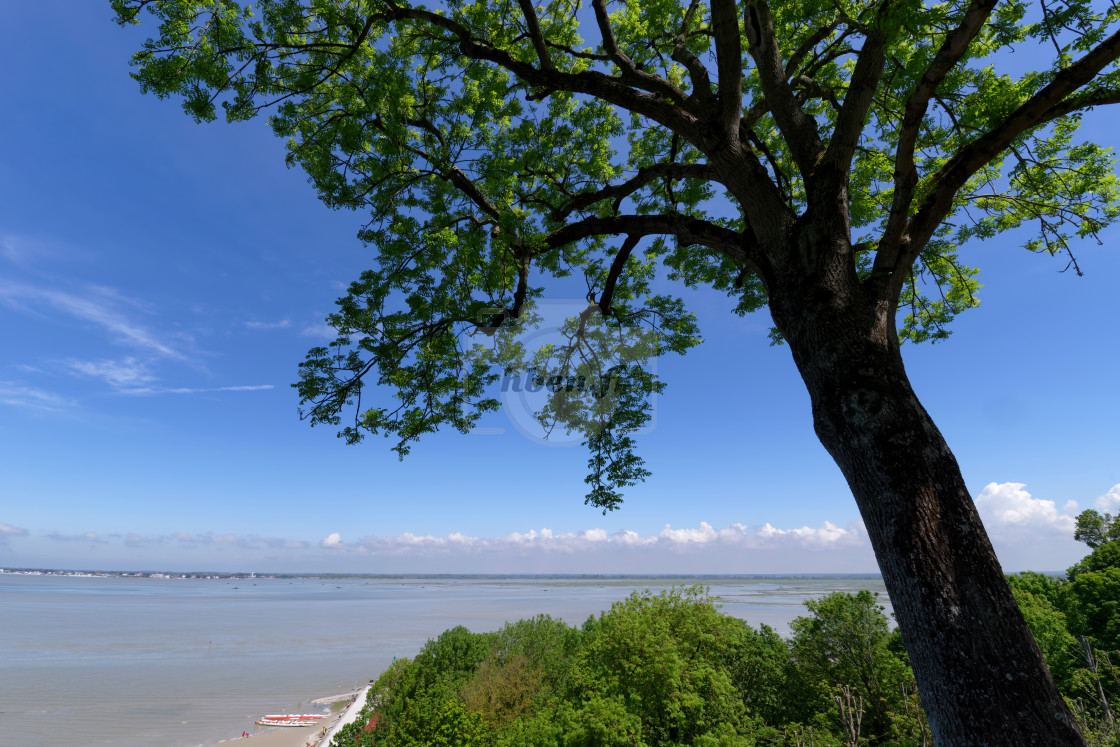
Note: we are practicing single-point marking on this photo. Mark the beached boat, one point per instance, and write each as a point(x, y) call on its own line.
point(281, 722)
point(294, 717)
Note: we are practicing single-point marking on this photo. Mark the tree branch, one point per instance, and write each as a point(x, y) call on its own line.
point(645, 175)
point(607, 296)
point(906, 175)
point(853, 112)
point(1044, 106)
point(1098, 98)
point(729, 65)
point(536, 35)
point(687, 230)
point(630, 71)
point(799, 129)
point(519, 295)
point(697, 73)
point(667, 105)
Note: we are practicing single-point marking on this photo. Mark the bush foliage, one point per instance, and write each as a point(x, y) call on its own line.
point(671, 669)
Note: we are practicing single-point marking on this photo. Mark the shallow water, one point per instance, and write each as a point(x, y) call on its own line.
point(187, 662)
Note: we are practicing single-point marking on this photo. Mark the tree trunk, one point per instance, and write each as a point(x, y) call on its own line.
point(980, 674)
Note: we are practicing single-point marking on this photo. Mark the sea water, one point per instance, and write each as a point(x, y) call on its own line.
point(143, 662)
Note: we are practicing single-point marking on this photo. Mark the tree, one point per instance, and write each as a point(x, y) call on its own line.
point(1094, 529)
point(845, 643)
point(664, 657)
point(1050, 627)
point(821, 160)
point(1093, 594)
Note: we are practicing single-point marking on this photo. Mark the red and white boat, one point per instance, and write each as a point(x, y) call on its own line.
point(291, 719)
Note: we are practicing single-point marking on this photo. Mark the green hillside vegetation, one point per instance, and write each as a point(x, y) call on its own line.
point(671, 669)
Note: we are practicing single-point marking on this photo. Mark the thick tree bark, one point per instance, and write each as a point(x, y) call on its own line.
point(979, 671)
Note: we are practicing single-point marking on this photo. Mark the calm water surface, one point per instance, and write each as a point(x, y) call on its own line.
point(189, 662)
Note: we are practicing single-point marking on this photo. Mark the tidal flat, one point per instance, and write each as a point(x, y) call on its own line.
point(192, 662)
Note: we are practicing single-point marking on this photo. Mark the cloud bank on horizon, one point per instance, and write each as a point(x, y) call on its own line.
point(1029, 534)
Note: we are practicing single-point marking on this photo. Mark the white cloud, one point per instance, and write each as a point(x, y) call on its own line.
point(701, 535)
point(1110, 501)
point(593, 535)
point(826, 537)
point(1009, 505)
point(282, 324)
point(1028, 533)
point(7, 530)
point(630, 538)
point(703, 548)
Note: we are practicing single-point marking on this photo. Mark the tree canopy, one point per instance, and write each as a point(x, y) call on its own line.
point(826, 161)
point(654, 669)
point(1095, 529)
point(672, 669)
point(495, 145)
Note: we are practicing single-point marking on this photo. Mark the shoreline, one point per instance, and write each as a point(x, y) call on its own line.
point(305, 736)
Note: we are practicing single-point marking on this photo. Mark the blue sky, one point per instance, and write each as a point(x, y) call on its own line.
point(161, 280)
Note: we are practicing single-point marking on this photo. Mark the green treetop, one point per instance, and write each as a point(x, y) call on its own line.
point(1094, 529)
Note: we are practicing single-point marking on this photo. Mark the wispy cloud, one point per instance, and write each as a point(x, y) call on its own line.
point(24, 250)
point(18, 395)
point(321, 330)
point(88, 537)
point(127, 372)
point(132, 377)
point(97, 305)
point(248, 541)
point(277, 543)
point(7, 530)
point(282, 324)
point(13, 250)
point(147, 391)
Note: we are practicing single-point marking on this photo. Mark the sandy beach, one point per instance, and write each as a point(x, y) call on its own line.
point(293, 736)
point(318, 735)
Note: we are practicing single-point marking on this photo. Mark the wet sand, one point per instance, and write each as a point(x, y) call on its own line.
point(288, 736)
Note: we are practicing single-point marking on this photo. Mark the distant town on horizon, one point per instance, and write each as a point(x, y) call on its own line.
point(86, 573)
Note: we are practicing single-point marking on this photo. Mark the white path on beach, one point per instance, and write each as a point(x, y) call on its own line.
point(349, 716)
